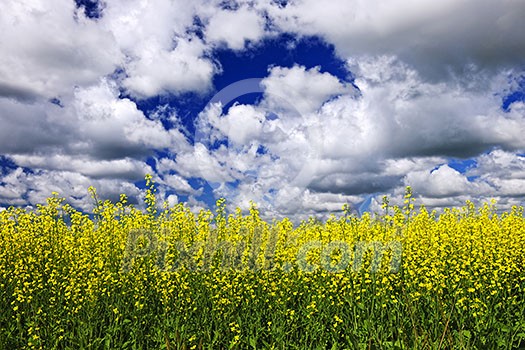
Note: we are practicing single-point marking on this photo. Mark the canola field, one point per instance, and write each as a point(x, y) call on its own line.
point(167, 278)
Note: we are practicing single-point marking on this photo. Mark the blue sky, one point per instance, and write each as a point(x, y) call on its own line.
point(300, 106)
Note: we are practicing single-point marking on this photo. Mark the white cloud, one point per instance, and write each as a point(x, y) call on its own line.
point(441, 182)
point(503, 171)
point(160, 70)
point(162, 55)
point(301, 89)
point(201, 163)
point(498, 175)
point(235, 27)
point(96, 139)
point(172, 200)
point(99, 123)
point(48, 47)
point(399, 114)
point(394, 133)
point(28, 126)
point(452, 36)
point(242, 125)
point(110, 127)
point(21, 188)
point(125, 168)
point(499, 164)
point(179, 184)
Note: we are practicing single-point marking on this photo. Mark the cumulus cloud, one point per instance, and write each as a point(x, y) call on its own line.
point(162, 54)
point(241, 126)
point(49, 46)
point(400, 115)
point(21, 187)
point(441, 182)
point(179, 184)
point(398, 130)
point(96, 136)
point(439, 38)
point(160, 70)
point(126, 168)
point(503, 171)
point(235, 27)
point(95, 121)
point(496, 175)
point(301, 89)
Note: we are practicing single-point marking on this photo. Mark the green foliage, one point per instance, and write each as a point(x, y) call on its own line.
point(173, 279)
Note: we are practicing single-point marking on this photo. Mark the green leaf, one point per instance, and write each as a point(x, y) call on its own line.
point(466, 334)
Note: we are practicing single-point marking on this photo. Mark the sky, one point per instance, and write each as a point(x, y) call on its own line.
point(299, 106)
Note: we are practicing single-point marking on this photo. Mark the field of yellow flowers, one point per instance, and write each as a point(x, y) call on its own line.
point(167, 278)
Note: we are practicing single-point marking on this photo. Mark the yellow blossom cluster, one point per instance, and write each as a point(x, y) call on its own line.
point(170, 278)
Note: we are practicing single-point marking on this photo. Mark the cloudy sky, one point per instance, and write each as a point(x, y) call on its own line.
point(300, 106)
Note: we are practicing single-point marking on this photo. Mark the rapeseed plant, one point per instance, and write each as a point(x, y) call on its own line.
point(170, 278)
